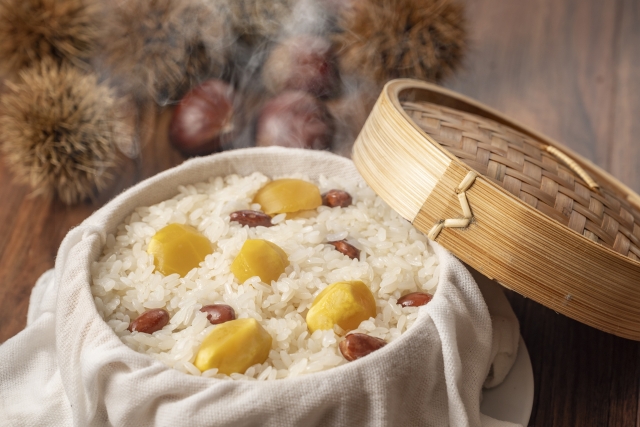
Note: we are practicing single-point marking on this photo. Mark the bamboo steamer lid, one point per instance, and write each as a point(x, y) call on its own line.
point(513, 204)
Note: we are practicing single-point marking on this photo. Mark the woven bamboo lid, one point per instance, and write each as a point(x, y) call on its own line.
point(511, 203)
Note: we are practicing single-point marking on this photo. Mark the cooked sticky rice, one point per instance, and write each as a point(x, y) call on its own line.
point(395, 259)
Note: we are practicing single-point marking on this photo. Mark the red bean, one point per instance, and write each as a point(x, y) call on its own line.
point(219, 313)
point(334, 198)
point(251, 218)
point(150, 321)
point(356, 345)
point(414, 299)
point(346, 249)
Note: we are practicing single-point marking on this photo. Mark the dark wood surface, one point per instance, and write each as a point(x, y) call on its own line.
point(567, 68)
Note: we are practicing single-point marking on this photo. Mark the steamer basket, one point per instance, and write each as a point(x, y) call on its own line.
point(513, 204)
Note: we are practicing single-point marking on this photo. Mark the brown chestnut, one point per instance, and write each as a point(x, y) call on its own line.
point(295, 119)
point(203, 120)
point(302, 62)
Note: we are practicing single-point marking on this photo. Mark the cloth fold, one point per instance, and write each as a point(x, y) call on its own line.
point(67, 367)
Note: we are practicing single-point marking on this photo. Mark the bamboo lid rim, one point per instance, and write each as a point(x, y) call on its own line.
point(413, 152)
point(392, 92)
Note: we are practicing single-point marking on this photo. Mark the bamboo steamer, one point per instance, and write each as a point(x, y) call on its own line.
point(513, 204)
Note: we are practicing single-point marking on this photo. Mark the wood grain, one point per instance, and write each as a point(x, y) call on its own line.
point(32, 228)
point(550, 65)
point(624, 147)
point(569, 69)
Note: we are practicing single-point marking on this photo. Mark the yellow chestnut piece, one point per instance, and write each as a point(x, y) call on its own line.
point(259, 258)
point(178, 248)
point(345, 304)
point(288, 195)
point(234, 346)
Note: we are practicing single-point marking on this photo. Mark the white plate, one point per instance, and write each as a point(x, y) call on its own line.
point(513, 399)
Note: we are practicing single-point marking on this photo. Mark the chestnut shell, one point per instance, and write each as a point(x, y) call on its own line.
point(203, 120)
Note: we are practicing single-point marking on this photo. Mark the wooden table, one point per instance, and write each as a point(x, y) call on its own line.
point(568, 68)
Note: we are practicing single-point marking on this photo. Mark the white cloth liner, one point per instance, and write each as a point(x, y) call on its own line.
point(67, 367)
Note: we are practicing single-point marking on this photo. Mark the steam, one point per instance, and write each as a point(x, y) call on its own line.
point(162, 48)
point(157, 50)
point(349, 105)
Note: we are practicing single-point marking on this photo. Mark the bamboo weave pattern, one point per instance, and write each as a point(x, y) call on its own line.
point(522, 166)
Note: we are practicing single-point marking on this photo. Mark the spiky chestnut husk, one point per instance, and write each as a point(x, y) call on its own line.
point(159, 49)
point(59, 128)
point(31, 30)
point(256, 21)
point(385, 39)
